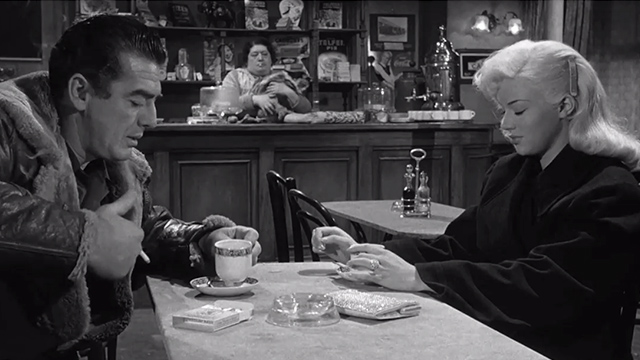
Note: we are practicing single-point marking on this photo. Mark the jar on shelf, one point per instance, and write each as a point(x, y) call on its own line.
point(219, 100)
point(375, 101)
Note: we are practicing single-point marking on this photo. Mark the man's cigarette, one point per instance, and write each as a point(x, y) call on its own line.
point(145, 257)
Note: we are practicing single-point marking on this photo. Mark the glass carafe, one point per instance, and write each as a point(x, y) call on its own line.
point(375, 101)
point(219, 100)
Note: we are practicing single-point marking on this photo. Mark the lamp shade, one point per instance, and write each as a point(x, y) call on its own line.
point(514, 26)
point(482, 22)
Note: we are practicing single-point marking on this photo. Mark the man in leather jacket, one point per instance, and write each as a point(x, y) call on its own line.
point(75, 211)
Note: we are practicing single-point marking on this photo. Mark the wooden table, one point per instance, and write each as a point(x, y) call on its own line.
point(439, 332)
point(378, 215)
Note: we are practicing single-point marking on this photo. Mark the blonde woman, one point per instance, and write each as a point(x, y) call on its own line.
point(549, 255)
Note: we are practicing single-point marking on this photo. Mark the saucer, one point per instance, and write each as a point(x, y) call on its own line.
point(215, 286)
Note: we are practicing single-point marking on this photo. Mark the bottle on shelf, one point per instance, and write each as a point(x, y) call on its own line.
point(371, 75)
point(184, 70)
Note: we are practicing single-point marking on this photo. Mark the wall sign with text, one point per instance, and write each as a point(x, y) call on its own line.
point(470, 61)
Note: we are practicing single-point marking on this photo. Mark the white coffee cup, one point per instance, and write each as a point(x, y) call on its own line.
point(439, 115)
point(467, 114)
point(233, 260)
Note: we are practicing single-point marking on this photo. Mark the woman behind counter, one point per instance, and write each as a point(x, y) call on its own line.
point(258, 56)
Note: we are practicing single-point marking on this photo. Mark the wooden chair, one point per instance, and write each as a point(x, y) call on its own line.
point(327, 219)
point(626, 324)
point(105, 351)
point(278, 190)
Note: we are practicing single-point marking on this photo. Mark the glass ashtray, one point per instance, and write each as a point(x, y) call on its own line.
point(303, 310)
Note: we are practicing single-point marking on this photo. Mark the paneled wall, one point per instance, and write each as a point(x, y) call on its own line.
point(202, 170)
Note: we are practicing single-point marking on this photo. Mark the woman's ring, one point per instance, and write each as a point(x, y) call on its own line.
point(375, 264)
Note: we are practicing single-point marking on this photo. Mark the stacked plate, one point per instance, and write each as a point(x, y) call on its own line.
point(441, 115)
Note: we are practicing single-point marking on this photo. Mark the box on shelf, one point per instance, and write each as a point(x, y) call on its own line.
point(354, 69)
point(330, 15)
point(343, 72)
point(331, 50)
point(256, 15)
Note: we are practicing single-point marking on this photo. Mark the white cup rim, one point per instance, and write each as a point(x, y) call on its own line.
point(246, 243)
point(241, 248)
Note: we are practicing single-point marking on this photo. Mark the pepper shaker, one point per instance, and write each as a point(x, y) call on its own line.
point(408, 193)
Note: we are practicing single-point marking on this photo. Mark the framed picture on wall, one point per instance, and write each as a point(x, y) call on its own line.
point(88, 8)
point(470, 61)
point(392, 32)
point(21, 30)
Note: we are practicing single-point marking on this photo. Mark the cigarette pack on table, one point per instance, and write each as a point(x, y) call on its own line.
point(213, 317)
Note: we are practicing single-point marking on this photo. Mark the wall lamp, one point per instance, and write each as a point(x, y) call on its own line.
point(487, 22)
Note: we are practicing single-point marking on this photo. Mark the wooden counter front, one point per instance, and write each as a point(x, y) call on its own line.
point(220, 169)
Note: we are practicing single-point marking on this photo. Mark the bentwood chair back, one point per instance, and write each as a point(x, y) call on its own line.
point(278, 190)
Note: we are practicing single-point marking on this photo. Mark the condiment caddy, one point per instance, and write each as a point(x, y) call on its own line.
point(416, 195)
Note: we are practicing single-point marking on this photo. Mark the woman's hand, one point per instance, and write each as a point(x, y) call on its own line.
point(333, 241)
point(389, 84)
point(384, 268)
point(278, 88)
point(265, 102)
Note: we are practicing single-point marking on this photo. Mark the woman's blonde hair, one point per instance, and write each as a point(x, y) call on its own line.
point(556, 68)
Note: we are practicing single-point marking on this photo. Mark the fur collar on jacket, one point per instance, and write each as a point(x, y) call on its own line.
point(27, 102)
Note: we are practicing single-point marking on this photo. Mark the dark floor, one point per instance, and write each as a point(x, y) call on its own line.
point(636, 343)
point(142, 339)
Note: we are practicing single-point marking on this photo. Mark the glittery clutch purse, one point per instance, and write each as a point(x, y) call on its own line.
point(373, 306)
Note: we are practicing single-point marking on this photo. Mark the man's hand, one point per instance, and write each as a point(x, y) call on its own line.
point(113, 253)
point(278, 88)
point(203, 258)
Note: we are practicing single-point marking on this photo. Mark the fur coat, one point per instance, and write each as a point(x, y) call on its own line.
point(65, 308)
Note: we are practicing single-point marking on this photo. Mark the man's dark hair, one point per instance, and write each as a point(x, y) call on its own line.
point(92, 47)
point(258, 41)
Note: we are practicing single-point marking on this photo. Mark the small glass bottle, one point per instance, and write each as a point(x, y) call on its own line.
point(184, 70)
point(408, 193)
point(423, 196)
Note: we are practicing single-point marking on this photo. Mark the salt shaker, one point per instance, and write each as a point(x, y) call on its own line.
point(423, 196)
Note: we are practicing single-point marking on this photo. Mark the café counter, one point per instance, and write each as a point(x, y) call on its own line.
point(220, 169)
